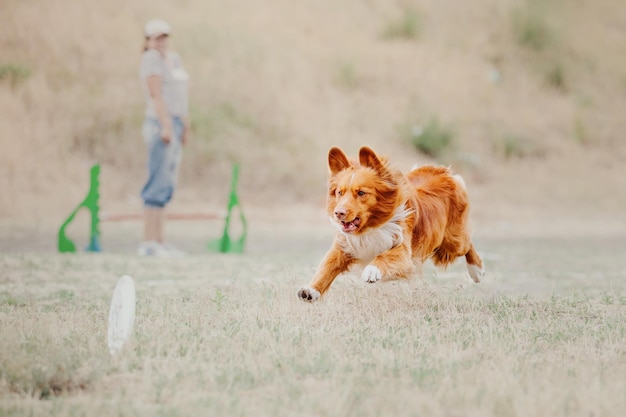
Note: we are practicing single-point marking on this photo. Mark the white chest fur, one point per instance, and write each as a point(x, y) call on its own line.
point(366, 246)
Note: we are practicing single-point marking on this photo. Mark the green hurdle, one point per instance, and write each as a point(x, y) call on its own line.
point(226, 244)
point(90, 202)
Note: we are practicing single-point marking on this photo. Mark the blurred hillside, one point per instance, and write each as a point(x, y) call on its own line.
point(532, 94)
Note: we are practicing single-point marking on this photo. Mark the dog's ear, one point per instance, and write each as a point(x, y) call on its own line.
point(368, 158)
point(337, 160)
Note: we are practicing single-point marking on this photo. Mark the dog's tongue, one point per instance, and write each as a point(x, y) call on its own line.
point(351, 226)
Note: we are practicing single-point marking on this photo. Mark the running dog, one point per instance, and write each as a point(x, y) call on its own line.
point(390, 222)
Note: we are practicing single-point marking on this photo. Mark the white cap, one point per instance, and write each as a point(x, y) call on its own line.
point(156, 27)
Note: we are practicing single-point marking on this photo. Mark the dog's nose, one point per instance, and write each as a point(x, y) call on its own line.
point(340, 213)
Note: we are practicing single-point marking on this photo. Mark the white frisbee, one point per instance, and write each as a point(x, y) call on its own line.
point(121, 314)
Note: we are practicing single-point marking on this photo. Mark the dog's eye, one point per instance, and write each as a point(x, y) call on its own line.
point(360, 193)
point(339, 193)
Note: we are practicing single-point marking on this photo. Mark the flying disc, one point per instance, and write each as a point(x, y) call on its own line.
point(121, 314)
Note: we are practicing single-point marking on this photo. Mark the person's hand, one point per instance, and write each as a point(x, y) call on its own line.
point(166, 135)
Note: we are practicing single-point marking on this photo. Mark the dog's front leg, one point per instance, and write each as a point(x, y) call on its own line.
point(393, 263)
point(334, 263)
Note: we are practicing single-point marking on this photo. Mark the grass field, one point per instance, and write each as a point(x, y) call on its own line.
point(224, 335)
point(524, 98)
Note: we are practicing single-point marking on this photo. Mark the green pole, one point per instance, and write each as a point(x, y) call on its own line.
point(91, 202)
point(226, 244)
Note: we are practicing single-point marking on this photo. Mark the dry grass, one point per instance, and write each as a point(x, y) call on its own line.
point(225, 335)
point(275, 84)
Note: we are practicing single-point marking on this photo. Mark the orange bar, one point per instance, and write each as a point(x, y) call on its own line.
point(168, 216)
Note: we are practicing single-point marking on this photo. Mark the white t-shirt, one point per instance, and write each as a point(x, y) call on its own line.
point(174, 82)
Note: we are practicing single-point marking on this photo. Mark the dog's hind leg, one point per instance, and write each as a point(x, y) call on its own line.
point(474, 264)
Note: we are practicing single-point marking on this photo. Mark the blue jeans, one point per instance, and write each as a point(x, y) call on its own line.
point(163, 162)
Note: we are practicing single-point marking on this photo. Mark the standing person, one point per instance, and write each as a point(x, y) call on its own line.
point(165, 130)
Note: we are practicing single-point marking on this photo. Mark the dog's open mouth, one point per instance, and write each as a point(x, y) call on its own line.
point(349, 227)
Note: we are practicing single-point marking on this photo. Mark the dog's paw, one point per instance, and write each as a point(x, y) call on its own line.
point(476, 272)
point(308, 294)
point(371, 273)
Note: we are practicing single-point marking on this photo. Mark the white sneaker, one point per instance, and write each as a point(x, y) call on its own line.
point(152, 248)
point(172, 251)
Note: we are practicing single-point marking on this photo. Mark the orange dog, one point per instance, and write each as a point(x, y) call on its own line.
point(391, 222)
